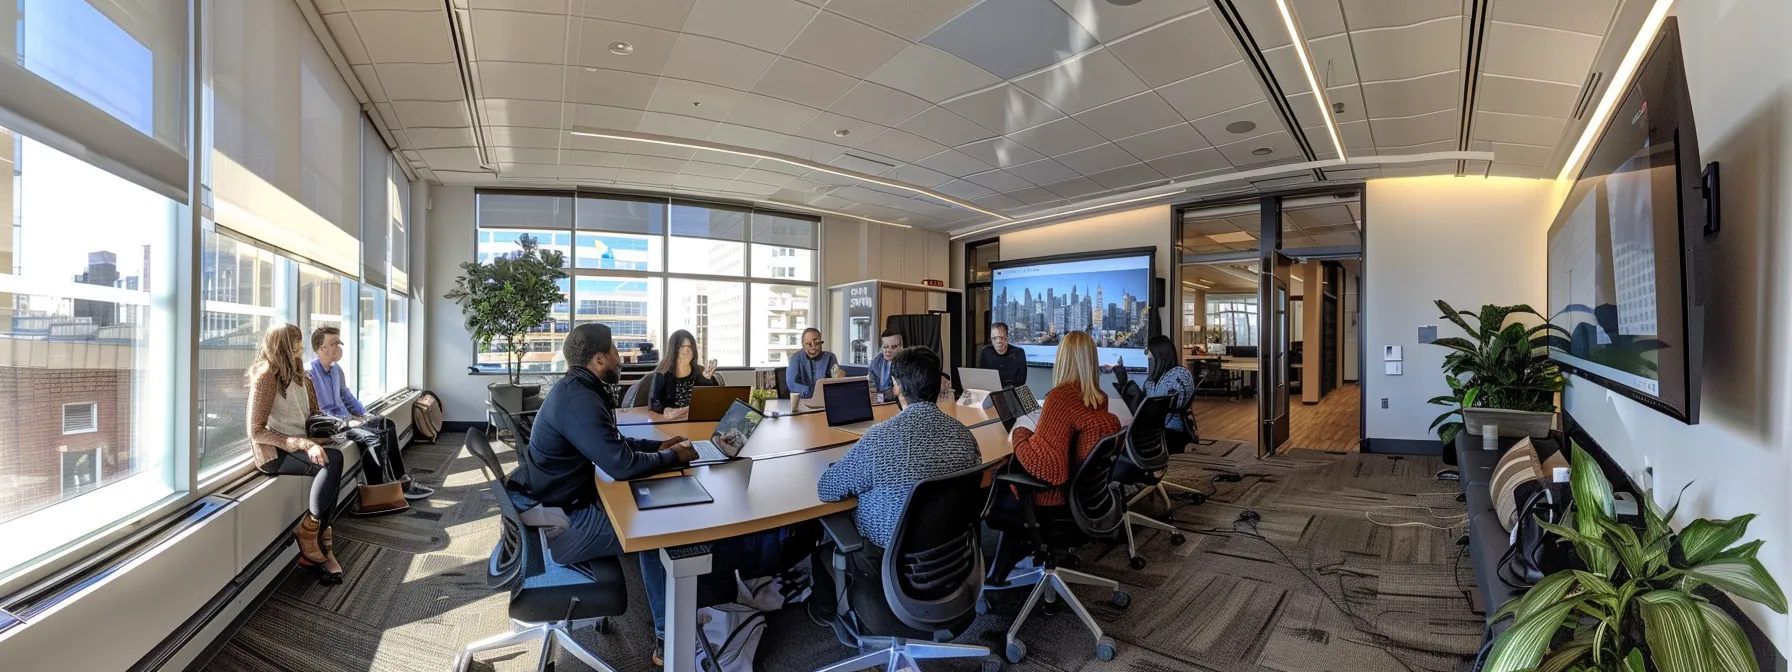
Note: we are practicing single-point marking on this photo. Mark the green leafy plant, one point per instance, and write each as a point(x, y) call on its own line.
point(1639, 603)
point(505, 297)
point(1501, 364)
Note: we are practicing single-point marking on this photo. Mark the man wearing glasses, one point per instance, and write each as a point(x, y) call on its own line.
point(810, 365)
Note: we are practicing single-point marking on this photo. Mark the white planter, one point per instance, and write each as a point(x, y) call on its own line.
point(1511, 423)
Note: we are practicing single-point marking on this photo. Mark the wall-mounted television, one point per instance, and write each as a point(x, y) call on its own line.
point(1104, 294)
point(1623, 249)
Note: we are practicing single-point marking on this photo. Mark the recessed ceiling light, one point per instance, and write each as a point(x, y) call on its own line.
point(1241, 127)
point(696, 103)
point(1260, 151)
point(621, 48)
point(841, 133)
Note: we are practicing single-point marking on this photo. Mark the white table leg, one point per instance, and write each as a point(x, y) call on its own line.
point(683, 566)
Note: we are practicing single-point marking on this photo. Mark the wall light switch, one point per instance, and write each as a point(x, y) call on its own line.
point(1393, 368)
point(1391, 353)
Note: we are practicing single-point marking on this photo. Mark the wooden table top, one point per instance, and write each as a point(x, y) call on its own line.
point(630, 417)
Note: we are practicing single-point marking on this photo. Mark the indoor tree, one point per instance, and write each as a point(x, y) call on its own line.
point(505, 297)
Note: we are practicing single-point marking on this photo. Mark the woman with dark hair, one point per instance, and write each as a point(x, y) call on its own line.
point(669, 390)
point(1164, 376)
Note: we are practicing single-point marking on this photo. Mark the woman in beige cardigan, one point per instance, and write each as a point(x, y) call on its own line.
point(280, 402)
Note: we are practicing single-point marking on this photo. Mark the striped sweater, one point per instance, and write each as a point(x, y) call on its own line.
point(1064, 422)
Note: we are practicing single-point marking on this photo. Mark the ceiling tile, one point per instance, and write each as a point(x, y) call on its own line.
point(1110, 21)
point(1592, 17)
point(1096, 159)
point(1526, 96)
point(1408, 97)
point(342, 29)
point(963, 190)
point(420, 81)
point(1214, 92)
point(1449, 145)
point(1518, 50)
point(658, 163)
point(1523, 155)
point(507, 36)
point(667, 14)
point(581, 157)
point(676, 96)
point(370, 80)
point(1414, 130)
point(394, 37)
point(1318, 18)
point(920, 177)
point(1011, 37)
point(652, 178)
point(1076, 187)
point(999, 203)
point(329, 6)
point(437, 138)
point(528, 81)
point(768, 25)
point(1363, 14)
point(824, 127)
point(523, 137)
point(1127, 176)
point(1334, 50)
point(751, 188)
point(1082, 82)
point(1130, 116)
point(902, 145)
point(878, 103)
point(1190, 163)
point(1517, 128)
point(436, 113)
point(911, 19)
point(1035, 196)
point(999, 180)
point(844, 45)
point(704, 59)
point(954, 163)
point(1044, 171)
point(770, 114)
point(811, 150)
point(746, 137)
point(1233, 125)
point(945, 126)
point(592, 116)
point(1002, 152)
point(528, 170)
point(1242, 154)
point(1178, 50)
point(1411, 51)
point(653, 46)
point(1355, 134)
point(1163, 142)
point(1058, 137)
point(588, 174)
point(675, 125)
point(765, 177)
point(1004, 109)
point(715, 170)
point(798, 82)
point(613, 88)
point(932, 74)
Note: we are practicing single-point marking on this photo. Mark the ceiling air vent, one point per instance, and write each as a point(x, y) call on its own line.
point(856, 163)
point(1586, 94)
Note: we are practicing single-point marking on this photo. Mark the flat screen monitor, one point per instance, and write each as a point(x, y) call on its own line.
point(1106, 295)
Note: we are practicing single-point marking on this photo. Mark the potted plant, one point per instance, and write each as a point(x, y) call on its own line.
point(505, 297)
point(1642, 601)
point(1500, 374)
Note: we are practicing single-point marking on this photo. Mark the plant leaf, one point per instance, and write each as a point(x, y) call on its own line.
point(1674, 631)
point(1546, 593)
point(1730, 650)
point(1634, 662)
point(1562, 657)
point(1703, 539)
point(1592, 493)
point(1744, 551)
point(1744, 578)
point(1522, 646)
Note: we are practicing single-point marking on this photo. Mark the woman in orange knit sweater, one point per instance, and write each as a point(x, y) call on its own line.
point(1076, 414)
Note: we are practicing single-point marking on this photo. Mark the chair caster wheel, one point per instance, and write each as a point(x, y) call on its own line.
point(603, 626)
point(982, 606)
point(1137, 562)
point(1016, 651)
point(1121, 599)
point(1178, 539)
point(1048, 609)
point(992, 664)
point(1104, 649)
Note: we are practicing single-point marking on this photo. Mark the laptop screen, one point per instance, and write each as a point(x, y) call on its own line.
point(848, 401)
point(735, 428)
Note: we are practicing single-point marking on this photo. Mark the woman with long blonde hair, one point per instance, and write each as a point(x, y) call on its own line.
point(281, 401)
point(1075, 414)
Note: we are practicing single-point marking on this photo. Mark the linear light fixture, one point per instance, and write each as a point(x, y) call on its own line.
point(800, 163)
point(1306, 67)
point(1615, 88)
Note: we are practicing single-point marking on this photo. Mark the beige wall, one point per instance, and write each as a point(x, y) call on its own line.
point(855, 250)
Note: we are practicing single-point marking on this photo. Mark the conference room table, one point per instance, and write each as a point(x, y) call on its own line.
point(773, 487)
point(782, 407)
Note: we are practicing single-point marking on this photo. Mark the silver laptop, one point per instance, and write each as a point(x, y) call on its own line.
point(730, 436)
point(988, 380)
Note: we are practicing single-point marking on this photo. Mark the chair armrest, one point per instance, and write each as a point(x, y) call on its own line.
point(839, 528)
point(1023, 480)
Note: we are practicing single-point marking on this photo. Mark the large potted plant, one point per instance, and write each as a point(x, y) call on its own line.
point(1500, 374)
point(1643, 601)
point(505, 297)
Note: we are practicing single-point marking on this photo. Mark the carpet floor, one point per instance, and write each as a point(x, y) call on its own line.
point(1356, 570)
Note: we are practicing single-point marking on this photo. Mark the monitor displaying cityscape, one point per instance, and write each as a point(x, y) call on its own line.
point(1106, 295)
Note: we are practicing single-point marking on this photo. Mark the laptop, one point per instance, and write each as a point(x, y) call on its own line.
point(848, 403)
point(988, 380)
point(730, 437)
point(710, 402)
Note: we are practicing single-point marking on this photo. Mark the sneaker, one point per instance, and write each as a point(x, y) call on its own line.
point(414, 491)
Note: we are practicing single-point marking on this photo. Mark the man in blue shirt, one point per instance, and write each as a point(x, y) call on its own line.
point(810, 365)
point(382, 458)
point(881, 385)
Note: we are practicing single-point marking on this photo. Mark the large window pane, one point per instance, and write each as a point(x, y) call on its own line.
point(709, 221)
point(631, 306)
point(370, 362)
point(541, 345)
point(85, 339)
point(398, 342)
point(500, 242)
point(618, 251)
point(713, 311)
point(320, 302)
point(783, 263)
point(523, 211)
point(238, 285)
point(780, 314)
point(127, 59)
point(708, 257)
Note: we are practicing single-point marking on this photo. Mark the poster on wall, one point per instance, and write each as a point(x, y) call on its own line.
point(861, 315)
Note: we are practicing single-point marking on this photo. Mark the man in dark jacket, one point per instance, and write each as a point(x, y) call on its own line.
point(1009, 361)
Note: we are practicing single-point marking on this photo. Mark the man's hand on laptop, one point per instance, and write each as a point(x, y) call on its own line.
point(681, 447)
point(677, 413)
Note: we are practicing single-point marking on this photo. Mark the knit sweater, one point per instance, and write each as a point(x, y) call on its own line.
point(272, 413)
point(1063, 423)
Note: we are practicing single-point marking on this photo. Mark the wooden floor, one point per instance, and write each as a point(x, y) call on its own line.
point(1332, 424)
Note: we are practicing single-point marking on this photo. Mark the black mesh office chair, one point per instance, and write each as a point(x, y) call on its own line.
point(1094, 510)
point(547, 599)
point(1143, 464)
point(928, 583)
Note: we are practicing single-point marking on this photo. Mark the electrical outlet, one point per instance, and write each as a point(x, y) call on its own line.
point(1384, 402)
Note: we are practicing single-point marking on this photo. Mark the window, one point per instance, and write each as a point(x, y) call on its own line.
point(1233, 317)
point(244, 291)
point(712, 311)
point(320, 301)
point(80, 418)
point(130, 67)
point(784, 309)
point(398, 342)
point(370, 362)
point(80, 471)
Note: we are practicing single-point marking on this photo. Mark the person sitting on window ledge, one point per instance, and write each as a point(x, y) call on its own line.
point(280, 402)
point(381, 455)
point(669, 388)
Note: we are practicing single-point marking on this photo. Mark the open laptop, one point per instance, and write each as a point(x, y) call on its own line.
point(730, 437)
point(988, 380)
point(848, 403)
point(710, 402)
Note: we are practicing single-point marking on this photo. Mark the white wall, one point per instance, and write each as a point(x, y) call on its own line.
point(1468, 241)
point(450, 242)
point(854, 250)
point(1736, 459)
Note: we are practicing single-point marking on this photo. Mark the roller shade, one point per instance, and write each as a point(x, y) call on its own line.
point(376, 204)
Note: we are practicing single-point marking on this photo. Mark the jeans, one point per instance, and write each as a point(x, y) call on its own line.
point(752, 556)
point(325, 480)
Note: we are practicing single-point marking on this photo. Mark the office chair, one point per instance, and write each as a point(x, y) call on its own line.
point(547, 599)
point(1143, 463)
point(632, 397)
point(1094, 510)
point(928, 583)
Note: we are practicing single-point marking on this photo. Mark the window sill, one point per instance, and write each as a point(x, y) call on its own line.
point(52, 537)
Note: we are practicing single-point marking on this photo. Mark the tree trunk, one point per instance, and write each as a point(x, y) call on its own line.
point(516, 360)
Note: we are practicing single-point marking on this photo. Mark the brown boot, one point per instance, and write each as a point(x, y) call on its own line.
point(326, 539)
point(310, 544)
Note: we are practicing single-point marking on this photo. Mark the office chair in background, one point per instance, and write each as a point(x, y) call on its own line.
point(1144, 463)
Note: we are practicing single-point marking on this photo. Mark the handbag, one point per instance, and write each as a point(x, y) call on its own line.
point(1535, 552)
point(380, 498)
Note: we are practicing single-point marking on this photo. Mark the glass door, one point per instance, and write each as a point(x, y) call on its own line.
point(1272, 354)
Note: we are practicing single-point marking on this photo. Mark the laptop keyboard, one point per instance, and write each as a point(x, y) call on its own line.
point(708, 452)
